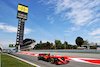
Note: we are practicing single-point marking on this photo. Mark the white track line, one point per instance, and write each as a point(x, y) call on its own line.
point(79, 60)
point(24, 60)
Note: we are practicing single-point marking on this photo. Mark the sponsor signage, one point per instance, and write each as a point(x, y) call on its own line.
point(13, 45)
point(22, 8)
point(22, 15)
point(22, 11)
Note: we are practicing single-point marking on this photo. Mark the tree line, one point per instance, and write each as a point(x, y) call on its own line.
point(79, 41)
point(59, 45)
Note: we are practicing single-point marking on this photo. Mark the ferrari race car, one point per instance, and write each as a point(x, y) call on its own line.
point(53, 59)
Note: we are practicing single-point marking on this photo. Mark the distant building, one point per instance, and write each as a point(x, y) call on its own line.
point(98, 47)
point(81, 48)
point(86, 46)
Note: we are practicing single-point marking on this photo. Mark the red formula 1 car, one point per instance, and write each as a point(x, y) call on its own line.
point(53, 59)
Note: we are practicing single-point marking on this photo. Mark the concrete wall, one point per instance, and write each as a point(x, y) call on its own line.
point(84, 51)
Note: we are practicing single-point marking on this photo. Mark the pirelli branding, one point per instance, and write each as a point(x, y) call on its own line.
point(22, 8)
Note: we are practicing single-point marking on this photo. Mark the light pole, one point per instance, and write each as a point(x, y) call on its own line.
point(64, 42)
point(55, 44)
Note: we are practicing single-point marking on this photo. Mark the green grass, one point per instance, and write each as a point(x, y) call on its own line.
point(8, 61)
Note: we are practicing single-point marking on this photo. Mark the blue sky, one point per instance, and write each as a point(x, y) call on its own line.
point(51, 19)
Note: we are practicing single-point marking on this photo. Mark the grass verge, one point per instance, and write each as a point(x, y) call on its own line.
point(8, 61)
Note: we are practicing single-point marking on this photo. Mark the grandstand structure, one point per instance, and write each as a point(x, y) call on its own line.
point(27, 44)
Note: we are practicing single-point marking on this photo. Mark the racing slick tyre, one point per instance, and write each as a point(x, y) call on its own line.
point(63, 58)
point(56, 61)
point(52, 61)
point(67, 61)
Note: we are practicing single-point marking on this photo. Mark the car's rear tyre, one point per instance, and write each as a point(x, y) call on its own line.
point(56, 61)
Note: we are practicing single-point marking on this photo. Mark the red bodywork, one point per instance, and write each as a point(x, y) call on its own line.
point(56, 59)
point(42, 55)
point(60, 61)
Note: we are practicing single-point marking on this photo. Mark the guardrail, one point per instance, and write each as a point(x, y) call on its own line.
point(81, 51)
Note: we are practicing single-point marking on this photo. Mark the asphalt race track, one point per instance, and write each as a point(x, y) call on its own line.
point(41, 63)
